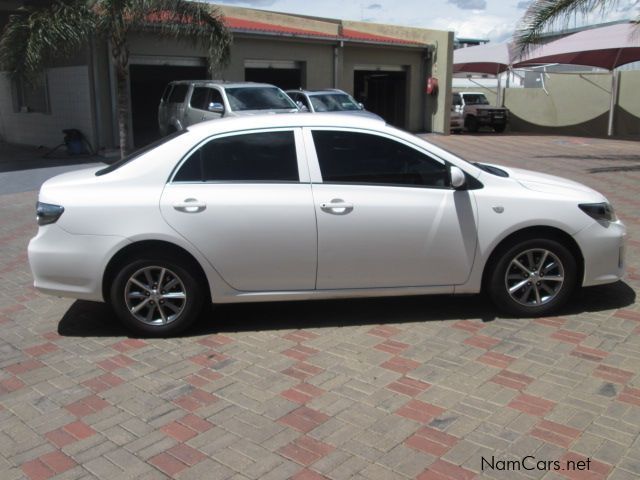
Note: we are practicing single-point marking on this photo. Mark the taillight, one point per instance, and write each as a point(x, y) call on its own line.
point(47, 213)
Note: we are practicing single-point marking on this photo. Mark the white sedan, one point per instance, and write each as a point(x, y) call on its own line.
point(293, 207)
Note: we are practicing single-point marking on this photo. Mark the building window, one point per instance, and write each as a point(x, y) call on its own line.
point(30, 97)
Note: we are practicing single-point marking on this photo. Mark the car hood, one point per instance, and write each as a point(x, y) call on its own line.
point(542, 182)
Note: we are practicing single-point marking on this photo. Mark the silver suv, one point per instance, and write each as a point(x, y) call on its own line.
point(186, 102)
point(329, 100)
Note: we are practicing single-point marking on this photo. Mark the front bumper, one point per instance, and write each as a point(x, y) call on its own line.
point(603, 249)
point(69, 265)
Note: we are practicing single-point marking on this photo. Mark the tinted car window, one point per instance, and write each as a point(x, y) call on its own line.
point(333, 102)
point(203, 96)
point(166, 92)
point(178, 93)
point(351, 157)
point(200, 98)
point(253, 157)
point(259, 98)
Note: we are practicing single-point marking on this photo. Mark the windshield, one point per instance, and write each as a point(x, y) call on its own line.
point(333, 102)
point(259, 98)
point(475, 99)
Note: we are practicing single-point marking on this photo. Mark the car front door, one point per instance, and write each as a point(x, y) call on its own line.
point(386, 214)
point(245, 202)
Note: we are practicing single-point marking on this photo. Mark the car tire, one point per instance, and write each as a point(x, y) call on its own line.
point(157, 296)
point(499, 128)
point(472, 124)
point(532, 277)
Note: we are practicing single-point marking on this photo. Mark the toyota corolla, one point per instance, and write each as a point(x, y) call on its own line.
point(292, 207)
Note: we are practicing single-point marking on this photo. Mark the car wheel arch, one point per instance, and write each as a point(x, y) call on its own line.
point(534, 232)
point(161, 247)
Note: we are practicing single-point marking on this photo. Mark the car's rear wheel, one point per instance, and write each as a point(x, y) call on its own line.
point(156, 296)
point(533, 277)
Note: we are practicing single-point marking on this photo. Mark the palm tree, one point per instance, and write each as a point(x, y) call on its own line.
point(42, 31)
point(543, 14)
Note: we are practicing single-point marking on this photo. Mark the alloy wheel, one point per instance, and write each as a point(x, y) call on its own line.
point(534, 277)
point(155, 295)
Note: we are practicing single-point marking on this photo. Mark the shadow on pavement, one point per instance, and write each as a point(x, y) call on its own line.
point(97, 319)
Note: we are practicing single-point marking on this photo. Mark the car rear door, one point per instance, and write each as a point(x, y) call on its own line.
point(244, 201)
point(386, 215)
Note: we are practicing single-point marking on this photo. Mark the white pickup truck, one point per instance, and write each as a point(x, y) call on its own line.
point(476, 111)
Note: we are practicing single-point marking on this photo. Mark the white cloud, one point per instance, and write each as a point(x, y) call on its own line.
point(496, 29)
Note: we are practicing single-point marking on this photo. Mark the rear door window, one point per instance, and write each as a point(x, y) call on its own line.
point(251, 157)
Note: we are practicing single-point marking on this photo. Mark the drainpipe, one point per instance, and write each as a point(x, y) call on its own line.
point(93, 86)
point(336, 63)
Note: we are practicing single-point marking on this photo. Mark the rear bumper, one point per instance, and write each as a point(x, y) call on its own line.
point(70, 265)
point(603, 249)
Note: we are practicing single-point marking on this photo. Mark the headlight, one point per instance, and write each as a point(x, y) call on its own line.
point(599, 211)
point(47, 213)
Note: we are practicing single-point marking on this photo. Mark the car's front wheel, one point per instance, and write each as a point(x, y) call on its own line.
point(156, 296)
point(533, 277)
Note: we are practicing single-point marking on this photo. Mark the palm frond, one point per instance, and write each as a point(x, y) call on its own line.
point(197, 23)
point(35, 35)
point(544, 14)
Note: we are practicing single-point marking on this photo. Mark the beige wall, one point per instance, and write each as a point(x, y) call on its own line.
point(423, 113)
point(576, 104)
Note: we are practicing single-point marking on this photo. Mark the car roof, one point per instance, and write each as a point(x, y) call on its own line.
point(273, 120)
point(318, 92)
point(223, 83)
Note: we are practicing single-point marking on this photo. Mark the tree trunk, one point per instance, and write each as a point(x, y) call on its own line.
point(122, 93)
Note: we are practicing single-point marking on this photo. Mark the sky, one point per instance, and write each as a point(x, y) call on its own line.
point(489, 19)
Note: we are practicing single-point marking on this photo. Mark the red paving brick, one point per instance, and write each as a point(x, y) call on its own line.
point(612, 374)
point(587, 353)
point(167, 464)
point(304, 419)
point(305, 450)
point(58, 462)
point(555, 433)
point(401, 365)
point(630, 395)
point(441, 469)
point(482, 341)
point(408, 386)
point(391, 346)
point(517, 381)
point(431, 441)
point(568, 336)
point(36, 470)
point(533, 405)
point(495, 359)
point(420, 411)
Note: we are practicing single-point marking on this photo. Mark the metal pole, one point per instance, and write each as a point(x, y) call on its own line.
point(499, 102)
point(615, 75)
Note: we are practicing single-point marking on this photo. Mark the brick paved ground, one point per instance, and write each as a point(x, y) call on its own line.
point(368, 389)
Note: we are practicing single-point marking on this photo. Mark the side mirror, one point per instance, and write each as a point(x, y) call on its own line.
point(361, 105)
point(457, 177)
point(216, 107)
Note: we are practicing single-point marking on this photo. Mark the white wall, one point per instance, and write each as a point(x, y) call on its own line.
point(70, 105)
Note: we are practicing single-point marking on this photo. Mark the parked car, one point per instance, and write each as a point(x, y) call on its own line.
point(476, 112)
point(329, 100)
point(293, 207)
point(188, 102)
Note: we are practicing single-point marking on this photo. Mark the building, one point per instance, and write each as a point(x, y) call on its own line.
point(384, 66)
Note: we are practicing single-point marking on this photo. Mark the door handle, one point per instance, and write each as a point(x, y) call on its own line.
point(190, 205)
point(337, 206)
